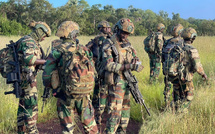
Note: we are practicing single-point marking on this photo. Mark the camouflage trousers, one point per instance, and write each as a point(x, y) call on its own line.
point(84, 108)
point(167, 90)
point(119, 108)
point(28, 111)
point(100, 100)
point(155, 65)
point(183, 94)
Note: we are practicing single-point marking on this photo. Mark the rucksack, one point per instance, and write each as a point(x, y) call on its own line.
point(173, 55)
point(149, 42)
point(6, 58)
point(77, 73)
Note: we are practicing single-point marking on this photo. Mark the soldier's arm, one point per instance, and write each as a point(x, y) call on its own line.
point(50, 66)
point(159, 43)
point(28, 50)
point(195, 61)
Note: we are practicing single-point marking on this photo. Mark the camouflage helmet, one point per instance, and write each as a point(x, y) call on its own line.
point(177, 30)
point(36, 25)
point(125, 25)
point(103, 24)
point(160, 26)
point(189, 33)
point(67, 29)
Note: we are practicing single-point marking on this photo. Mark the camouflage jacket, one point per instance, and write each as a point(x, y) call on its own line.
point(192, 61)
point(159, 41)
point(29, 51)
point(55, 61)
point(125, 53)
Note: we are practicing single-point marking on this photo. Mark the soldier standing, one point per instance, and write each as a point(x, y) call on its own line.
point(31, 57)
point(176, 39)
point(119, 55)
point(155, 57)
point(100, 90)
point(69, 71)
point(183, 89)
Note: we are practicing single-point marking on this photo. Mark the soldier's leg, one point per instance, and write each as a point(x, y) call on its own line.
point(189, 93)
point(125, 113)
point(115, 98)
point(166, 92)
point(102, 103)
point(178, 94)
point(151, 63)
point(28, 111)
point(65, 114)
point(157, 66)
point(86, 111)
point(95, 100)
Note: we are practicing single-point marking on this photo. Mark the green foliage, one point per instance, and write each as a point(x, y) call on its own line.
point(87, 17)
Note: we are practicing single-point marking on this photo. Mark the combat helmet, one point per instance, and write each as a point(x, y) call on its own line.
point(189, 33)
point(103, 24)
point(125, 25)
point(177, 30)
point(37, 25)
point(160, 26)
point(67, 29)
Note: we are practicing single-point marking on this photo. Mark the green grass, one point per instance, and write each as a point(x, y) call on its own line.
point(200, 118)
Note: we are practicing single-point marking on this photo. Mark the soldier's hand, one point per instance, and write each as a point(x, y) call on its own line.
point(137, 67)
point(204, 76)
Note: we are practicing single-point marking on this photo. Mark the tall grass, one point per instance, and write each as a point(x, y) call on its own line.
point(200, 118)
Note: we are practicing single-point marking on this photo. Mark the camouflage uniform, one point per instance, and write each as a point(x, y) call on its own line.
point(29, 53)
point(100, 90)
point(119, 94)
point(155, 57)
point(176, 33)
point(76, 101)
point(183, 90)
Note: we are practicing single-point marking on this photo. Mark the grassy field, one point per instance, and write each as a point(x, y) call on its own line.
point(200, 118)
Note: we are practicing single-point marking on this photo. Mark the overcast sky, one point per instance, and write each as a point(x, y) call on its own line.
point(199, 9)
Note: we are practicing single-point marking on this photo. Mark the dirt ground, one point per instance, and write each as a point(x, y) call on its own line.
point(53, 127)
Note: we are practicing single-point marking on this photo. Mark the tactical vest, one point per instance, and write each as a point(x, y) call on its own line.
point(77, 71)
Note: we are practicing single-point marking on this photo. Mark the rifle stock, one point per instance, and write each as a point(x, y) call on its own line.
point(133, 87)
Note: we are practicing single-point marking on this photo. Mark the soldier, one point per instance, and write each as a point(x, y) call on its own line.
point(31, 57)
point(155, 57)
point(100, 90)
point(183, 89)
point(69, 71)
point(119, 55)
point(176, 39)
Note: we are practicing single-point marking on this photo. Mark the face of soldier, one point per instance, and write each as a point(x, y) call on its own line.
point(122, 35)
point(105, 30)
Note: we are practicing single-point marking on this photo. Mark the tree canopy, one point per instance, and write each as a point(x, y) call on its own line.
point(16, 14)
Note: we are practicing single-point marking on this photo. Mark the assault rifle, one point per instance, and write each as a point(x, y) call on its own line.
point(46, 95)
point(14, 76)
point(133, 87)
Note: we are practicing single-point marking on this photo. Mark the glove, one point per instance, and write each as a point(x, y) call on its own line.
point(136, 67)
point(204, 76)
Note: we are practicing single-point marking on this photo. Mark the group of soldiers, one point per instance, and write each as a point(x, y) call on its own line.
point(73, 71)
point(183, 88)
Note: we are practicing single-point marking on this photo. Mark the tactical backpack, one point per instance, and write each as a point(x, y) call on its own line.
point(149, 42)
point(173, 56)
point(77, 72)
point(6, 60)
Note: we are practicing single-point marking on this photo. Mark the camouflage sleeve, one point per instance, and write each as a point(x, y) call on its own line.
point(28, 50)
point(110, 65)
point(89, 54)
point(159, 43)
point(50, 66)
point(195, 62)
